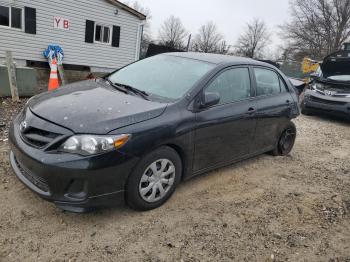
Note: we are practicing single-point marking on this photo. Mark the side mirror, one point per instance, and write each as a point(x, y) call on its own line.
point(210, 99)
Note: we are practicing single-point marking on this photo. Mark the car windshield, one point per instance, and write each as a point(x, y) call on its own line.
point(163, 75)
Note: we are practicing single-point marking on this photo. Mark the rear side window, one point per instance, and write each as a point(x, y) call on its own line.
point(267, 82)
point(232, 85)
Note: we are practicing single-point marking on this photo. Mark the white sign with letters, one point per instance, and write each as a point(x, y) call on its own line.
point(61, 23)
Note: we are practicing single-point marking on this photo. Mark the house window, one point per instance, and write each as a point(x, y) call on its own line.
point(4, 16)
point(102, 34)
point(11, 17)
point(16, 17)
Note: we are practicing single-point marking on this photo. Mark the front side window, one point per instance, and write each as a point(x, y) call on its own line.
point(102, 33)
point(267, 82)
point(284, 88)
point(11, 17)
point(166, 76)
point(232, 85)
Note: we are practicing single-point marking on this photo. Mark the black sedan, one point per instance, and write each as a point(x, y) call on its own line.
point(134, 135)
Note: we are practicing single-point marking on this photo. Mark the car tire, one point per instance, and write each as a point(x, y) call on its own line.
point(143, 189)
point(286, 141)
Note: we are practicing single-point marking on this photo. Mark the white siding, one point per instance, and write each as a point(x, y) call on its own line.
point(30, 47)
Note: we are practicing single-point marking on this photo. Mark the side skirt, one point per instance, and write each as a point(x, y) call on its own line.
point(206, 170)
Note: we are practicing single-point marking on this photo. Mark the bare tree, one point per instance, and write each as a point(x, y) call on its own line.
point(172, 33)
point(317, 27)
point(209, 40)
point(223, 48)
point(253, 40)
point(147, 25)
point(147, 35)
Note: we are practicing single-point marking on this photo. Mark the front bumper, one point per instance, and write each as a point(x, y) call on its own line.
point(74, 183)
point(326, 104)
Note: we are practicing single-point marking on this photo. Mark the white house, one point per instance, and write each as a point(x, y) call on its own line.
point(100, 34)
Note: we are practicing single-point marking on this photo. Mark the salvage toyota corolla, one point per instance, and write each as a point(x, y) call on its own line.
point(135, 134)
point(329, 92)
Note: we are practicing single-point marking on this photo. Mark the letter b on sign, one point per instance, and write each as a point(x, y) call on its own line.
point(65, 24)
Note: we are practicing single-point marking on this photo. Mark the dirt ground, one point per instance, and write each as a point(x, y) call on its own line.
point(294, 208)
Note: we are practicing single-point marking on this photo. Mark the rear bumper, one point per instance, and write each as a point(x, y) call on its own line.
point(327, 105)
point(74, 183)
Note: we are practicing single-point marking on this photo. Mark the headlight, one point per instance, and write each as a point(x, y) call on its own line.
point(317, 87)
point(91, 144)
point(312, 86)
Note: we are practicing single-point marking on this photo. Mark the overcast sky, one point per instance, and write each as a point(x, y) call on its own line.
point(229, 15)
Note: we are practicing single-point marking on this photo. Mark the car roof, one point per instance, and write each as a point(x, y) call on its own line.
point(218, 59)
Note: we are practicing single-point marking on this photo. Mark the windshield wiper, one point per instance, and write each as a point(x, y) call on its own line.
point(118, 87)
point(126, 88)
point(142, 93)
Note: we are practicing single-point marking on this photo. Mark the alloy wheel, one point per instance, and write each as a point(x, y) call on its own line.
point(287, 140)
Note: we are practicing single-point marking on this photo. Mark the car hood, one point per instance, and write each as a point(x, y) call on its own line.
point(336, 64)
point(93, 107)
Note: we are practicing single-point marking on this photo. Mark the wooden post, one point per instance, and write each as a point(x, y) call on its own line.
point(61, 72)
point(188, 43)
point(11, 69)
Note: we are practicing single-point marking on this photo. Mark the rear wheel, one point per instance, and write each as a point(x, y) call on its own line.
point(286, 141)
point(154, 179)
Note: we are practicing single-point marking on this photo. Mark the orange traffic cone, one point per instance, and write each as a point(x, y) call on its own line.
point(53, 82)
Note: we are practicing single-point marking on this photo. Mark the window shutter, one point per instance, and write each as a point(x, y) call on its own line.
point(116, 36)
point(89, 31)
point(30, 20)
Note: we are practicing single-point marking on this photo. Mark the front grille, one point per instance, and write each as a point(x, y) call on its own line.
point(324, 101)
point(38, 138)
point(39, 182)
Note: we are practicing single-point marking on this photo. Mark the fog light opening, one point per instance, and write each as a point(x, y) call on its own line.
point(77, 190)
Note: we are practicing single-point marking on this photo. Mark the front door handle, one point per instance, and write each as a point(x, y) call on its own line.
point(251, 110)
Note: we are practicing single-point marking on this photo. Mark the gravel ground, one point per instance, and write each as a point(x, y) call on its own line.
point(8, 109)
point(294, 208)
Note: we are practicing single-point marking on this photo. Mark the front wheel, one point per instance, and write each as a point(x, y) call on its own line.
point(286, 141)
point(154, 179)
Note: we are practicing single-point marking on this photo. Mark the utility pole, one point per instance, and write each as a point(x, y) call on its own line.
point(189, 42)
